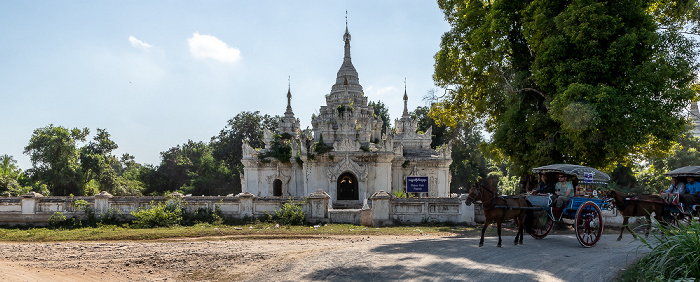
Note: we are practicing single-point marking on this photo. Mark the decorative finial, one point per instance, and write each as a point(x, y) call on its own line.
point(405, 98)
point(289, 96)
point(346, 19)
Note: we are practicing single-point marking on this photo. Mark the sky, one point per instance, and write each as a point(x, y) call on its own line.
point(156, 74)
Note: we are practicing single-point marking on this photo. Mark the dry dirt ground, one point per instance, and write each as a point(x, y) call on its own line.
point(336, 258)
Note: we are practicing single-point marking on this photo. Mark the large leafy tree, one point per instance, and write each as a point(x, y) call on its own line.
point(191, 168)
point(12, 178)
point(583, 81)
point(65, 167)
point(228, 145)
point(55, 157)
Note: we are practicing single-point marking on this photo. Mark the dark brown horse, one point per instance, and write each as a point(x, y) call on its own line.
point(498, 209)
point(636, 206)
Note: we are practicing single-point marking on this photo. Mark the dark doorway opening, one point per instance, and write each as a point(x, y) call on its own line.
point(347, 187)
point(277, 188)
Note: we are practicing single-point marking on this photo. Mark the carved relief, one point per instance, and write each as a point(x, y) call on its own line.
point(278, 175)
point(347, 164)
point(346, 145)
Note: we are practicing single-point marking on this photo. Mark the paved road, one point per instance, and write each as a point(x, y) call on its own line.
point(555, 258)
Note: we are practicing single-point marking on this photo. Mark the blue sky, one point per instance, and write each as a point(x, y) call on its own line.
point(155, 74)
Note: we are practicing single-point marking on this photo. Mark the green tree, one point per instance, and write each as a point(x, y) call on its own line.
point(583, 82)
point(12, 179)
point(228, 145)
point(381, 112)
point(98, 164)
point(56, 159)
point(441, 134)
point(686, 152)
point(190, 168)
point(65, 167)
point(469, 165)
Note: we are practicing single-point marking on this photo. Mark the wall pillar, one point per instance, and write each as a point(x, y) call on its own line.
point(29, 202)
point(102, 202)
point(246, 203)
point(381, 208)
point(319, 202)
point(466, 213)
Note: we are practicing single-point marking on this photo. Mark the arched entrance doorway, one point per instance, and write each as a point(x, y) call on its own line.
point(277, 188)
point(347, 187)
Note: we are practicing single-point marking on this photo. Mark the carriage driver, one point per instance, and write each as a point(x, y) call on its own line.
point(563, 189)
point(545, 186)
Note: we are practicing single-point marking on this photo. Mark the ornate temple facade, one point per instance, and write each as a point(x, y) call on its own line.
point(346, 155)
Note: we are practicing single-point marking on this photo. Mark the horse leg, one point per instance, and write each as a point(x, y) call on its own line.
point(521, 228)
point(486, 224)
point(624, 225)
point(519, 235)
point(498, 223)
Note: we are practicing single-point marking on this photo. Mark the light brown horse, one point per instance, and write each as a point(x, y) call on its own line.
point(498, 209)
point(636, 206)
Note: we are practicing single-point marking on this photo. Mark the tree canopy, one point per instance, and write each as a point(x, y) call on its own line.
point(228, 145)
point(583, 82)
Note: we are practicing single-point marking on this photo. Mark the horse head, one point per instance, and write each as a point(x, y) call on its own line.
point(474, 194)
point(617, 197)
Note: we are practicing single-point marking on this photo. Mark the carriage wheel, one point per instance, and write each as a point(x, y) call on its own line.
point(543, 224)
point(589, 224)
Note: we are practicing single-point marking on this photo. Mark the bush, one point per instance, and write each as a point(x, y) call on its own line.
point(160, 214)
point(57, 220)
point(674, 255)
point(202, 215)
point(290, 214)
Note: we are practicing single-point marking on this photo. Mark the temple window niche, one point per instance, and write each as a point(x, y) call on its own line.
point(277, 188)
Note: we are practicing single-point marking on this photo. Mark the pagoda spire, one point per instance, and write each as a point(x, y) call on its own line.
point(347, 75)
point(346, 38)
point(289, 97)
point(405, 99)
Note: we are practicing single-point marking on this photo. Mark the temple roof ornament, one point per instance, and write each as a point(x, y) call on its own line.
point(289, 124)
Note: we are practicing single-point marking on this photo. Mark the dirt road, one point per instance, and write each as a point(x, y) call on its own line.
point(358, 258)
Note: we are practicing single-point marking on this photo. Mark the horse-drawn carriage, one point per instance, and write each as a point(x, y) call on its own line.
point(534, 212)
point(584, 211)
point(676, 206)
point(584, 208)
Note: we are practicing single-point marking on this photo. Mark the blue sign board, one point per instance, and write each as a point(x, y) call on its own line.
point(588, 177)
point(416, 184)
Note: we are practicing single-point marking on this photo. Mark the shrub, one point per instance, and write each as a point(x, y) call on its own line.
point(202, 215)
point(290, 214)
point(675, 254)
point(160, 214)
point(57, 220)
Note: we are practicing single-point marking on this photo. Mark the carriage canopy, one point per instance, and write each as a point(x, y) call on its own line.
point(584, 173)
point(693, 171)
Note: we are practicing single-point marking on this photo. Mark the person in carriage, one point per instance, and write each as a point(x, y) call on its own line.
point(691, 196)
point(676, 186)
point(545, 186)
point(564, 190)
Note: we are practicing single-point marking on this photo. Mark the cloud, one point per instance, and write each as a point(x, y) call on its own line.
point(388, 91)
point(139, 44)
point(207, 46)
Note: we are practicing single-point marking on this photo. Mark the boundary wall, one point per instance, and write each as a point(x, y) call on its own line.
point(381, 209)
